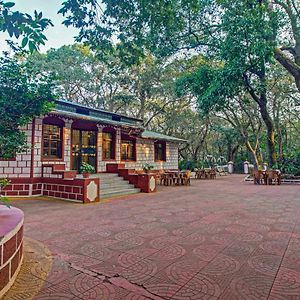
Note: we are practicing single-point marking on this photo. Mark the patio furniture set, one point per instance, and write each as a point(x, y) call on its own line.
point(206, 173)
point(169, 178)
point(267, 177)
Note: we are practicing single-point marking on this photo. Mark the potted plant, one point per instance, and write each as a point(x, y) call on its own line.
point(86, 170)
point(147, 168)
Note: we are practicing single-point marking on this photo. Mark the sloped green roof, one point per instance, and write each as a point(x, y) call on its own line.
point(146, 134)
point(95, 119)
point(78, 111)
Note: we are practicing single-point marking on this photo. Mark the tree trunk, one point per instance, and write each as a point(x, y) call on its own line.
point(270, 132)
point(289, 65)
point(253, 152)
point(142, 97)
point(231, 152)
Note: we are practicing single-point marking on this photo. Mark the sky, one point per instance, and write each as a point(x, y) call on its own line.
point(58, 35)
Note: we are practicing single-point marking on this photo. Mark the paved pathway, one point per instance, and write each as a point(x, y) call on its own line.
point(222, 239)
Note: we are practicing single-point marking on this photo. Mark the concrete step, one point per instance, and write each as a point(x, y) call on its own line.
point(106, 175)
point(114, 182)
point(122, 192)
point(112, 185)
point(111, 179)
point(116, 188)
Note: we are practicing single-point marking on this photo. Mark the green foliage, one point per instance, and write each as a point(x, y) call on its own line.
point(248, 39)
point(188, 165)
point(4, 183)
point(22, 97)
point(87, 168)
point(23, 25)
point(147, 167)
point(237, 37)
point(290, 164)
point(162, 28)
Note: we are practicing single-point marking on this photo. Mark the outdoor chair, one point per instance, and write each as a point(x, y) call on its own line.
point(200, 174)
point(212, 174)
point(273, 176)
point(221, 171)
point(176, 179)
point(258, 177)
point(167, 179)
point(158, 177)
point(186, 178)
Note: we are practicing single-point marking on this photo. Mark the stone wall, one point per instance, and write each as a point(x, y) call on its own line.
point(20, 167)
point(145, 154)
point(38, 160)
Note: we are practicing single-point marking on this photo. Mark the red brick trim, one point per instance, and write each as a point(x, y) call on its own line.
point(8, 159)
point(114, 167)
point(70, 189)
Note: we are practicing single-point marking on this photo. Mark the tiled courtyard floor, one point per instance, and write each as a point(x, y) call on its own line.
point(221, 239)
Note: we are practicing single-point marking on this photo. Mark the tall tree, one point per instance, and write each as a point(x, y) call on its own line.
point(287, 51)
point(239, 35)
point(243, 116)
point(22, 97)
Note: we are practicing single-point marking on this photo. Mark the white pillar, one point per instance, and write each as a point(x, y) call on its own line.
point(67, 144)
point(265, 166)
point(118, 144)
point(100, 164)
point(246, 167)
point(230, 167)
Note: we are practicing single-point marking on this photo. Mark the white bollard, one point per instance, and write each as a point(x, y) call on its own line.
point(246, 167)
point(265, 166)
point(230, 167)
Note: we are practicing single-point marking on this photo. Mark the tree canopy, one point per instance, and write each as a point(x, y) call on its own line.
point(18, 24)
point(22, 97)
point(225, 70)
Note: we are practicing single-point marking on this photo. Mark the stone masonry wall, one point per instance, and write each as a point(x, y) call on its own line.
point(20, 166)
point(38, 162)
point(145, 154)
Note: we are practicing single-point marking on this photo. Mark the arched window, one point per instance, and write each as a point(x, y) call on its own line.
point(108, 143)
point(52, 144)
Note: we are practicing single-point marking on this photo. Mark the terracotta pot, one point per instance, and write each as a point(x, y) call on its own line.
point(86, 175)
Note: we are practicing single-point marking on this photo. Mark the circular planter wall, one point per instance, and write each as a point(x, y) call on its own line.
point(11, 246)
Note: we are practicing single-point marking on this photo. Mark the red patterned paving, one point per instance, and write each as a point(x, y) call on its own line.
point(220, 239)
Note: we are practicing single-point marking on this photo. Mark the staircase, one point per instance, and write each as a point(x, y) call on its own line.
point(111, 185)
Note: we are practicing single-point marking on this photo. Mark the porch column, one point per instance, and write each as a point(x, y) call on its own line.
point(67, 140)
point(118, 144)
point(100, 163)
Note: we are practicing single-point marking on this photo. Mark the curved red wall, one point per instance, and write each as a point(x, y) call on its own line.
point(11, 246)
